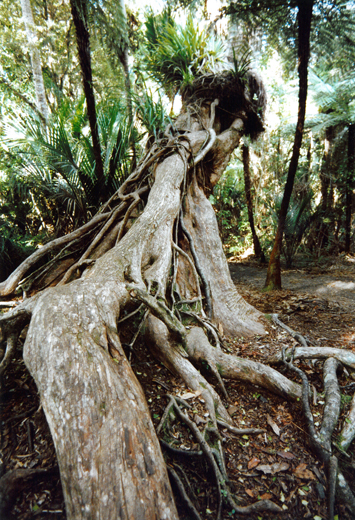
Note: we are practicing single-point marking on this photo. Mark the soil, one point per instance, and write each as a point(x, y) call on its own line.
point(317, 301)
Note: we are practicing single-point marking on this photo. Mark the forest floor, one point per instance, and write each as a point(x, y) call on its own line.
point(318, 302)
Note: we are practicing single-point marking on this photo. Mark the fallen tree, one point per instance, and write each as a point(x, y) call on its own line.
point(154, 246)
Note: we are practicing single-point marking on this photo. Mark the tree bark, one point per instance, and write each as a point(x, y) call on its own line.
point(41, 100)
point(349, 186)
point(79, 14)
point(108, 453)
point(248, 195)
point(273, 277)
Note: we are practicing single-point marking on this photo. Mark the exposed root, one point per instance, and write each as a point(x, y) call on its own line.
point(14, 481)
point(239, 431)
point(185, 255)
point(198, 267)
point(346, 357)
point(160, 342)
point(9, 353)
point(294, 334)
point(348, 432)
point(332, 480)
point(321, 442)
point(233, 367)
point(9, 285)
point(208, 146)
point(222, 486)
point(192, 509)
point(160, 310)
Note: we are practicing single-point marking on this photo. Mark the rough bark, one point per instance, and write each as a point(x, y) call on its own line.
point(349, 186)
point(95, 408)
point(273, 277)
point(163, 252)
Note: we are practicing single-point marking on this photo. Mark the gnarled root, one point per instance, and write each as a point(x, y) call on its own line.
point(321, 441)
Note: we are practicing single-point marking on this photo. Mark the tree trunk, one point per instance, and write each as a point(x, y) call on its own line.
point(108, 453)
point(247, 185)
point(273, 277)
point(41, 100)
point(79, 14)
point(349, 186)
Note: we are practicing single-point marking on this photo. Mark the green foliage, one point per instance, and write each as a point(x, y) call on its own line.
point(176, 54)
point(242, 63)
point(334, 93)
point(151, 113)
point(57, 160)
point(298, 219)
point(231, 211)
point(15, 224)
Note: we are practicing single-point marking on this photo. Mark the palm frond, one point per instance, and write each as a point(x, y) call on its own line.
point(176, 54)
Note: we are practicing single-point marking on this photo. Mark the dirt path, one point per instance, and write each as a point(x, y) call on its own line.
point(334, 282)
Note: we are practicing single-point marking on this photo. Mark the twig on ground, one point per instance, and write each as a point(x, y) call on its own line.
point(295, 335)
point(165, 415)
point(239, 431)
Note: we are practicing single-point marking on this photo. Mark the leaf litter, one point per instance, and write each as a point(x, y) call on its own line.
point(277, 464)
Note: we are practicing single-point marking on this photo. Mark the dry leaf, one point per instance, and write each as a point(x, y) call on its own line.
point(273, 468)
point(286, 455)
point(232, 409)
point(253, 462)
point(190, 395)
point(302, 472)
point(265, 496)
point(273, 425)
point(249, 492)
point(220, 328)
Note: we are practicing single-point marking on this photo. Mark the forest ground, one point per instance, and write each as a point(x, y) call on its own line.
point(318, 301)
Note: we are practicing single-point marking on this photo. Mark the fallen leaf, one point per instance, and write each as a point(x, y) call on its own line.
point(302, 472)
point(273, 425)
point(253, 462)
point(286, 455)
point(273, 468)
point(190, 395)
point(220, 328)
point(199, 420)
point(232, 409)
point(265, 496)
point(249, 492)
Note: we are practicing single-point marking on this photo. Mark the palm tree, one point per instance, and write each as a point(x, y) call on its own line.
point(58, 161)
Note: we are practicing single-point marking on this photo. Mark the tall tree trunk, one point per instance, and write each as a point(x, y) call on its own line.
point(273, 277)
point(79, 14)
point(41, 100)
point(349, 186)
point(108, 454)
point(247, 185)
